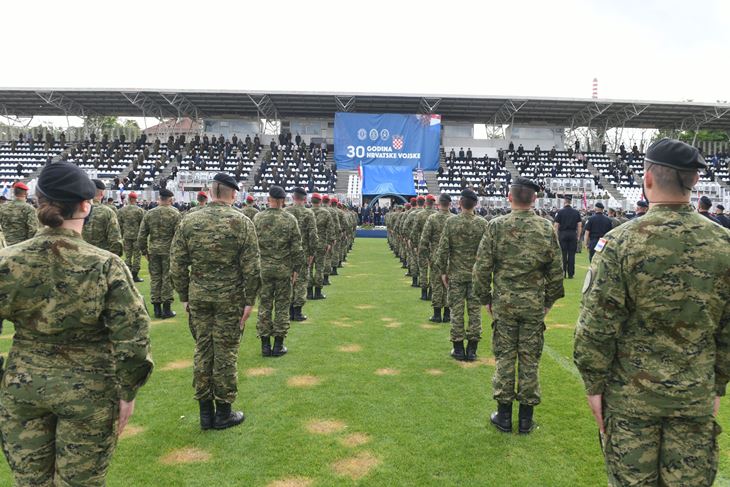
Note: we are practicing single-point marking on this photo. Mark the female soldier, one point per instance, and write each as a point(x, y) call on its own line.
point(81, 345)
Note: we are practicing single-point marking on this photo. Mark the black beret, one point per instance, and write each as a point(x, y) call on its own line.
point(469, 194)
point(226, 180)
point(66, 183)
point(277, 192)
point(568, 197)
point(675, 154)
point(642, 204)
point(526, 183)
point(444, 198)
point(600, 205)
point(300, 191)
point(99, 184)
point(720, 207)
point(705, 200)
point(166, 193)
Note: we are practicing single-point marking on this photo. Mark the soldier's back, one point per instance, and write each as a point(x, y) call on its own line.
point(102, 228)
point(276, 230)
point(130, 217)
point(18, 220)
point(464, 232)
point(162, 222)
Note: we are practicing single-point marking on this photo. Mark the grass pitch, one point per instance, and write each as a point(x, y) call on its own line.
point(367, 395)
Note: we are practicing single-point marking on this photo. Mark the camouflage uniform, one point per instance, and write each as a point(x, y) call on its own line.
point(113, 207)
point(159, 225)
point(326, 236)
point(76, 352)
point(519, 271)
point(130, 218)
point(2, 243)
point(102, 229)
point(342, 246)
point(430, 237)
point(310, 242)
point(249, 211)
point(281, 255)
point(411, 259)
point(455, 257)
point(18, 220)
point(653, 338)
point(214, 266)
point(331, 261)
point(415, 237)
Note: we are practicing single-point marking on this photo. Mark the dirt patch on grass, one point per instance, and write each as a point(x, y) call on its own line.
point(561, 326)
point(131, 430)
point(480, 362)
point(351, 348)
point(259, 371)
point(356, 467)
point(6, 337)
point(434, 372)
point(385, 372)
point(428, 326)
point(291, 482)
point(341, 324)
point(386, 319)
point(177, 365)
point(185, 455)
point(355, 439)
point(394, 324)
point(364, 306)
point(325, 426)
point(303, 381)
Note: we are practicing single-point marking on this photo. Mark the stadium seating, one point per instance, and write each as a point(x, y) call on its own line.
point(26, 158)
point(487, 176)
point(289, 166)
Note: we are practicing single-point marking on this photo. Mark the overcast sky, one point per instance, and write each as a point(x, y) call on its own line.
point(645, 49)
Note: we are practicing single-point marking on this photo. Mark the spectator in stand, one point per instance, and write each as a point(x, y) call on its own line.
point(604, 148)
point(511, 146)
point(461, 153)
point(468, 154)
point(452, 154)
point(520, 149)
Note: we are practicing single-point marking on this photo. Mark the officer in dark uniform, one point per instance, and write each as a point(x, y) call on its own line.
point(641, 208)
point(703, 208)
point(596, 227)
point(721, 217)
point(568, 225)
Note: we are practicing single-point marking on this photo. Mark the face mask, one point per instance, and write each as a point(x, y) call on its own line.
point(643, 191)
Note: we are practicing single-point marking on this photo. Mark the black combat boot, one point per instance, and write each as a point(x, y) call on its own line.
point(167, 312)
point(430, 294)
point(447, 315)
point(334, 271)
point(326, 281)
point(136, 278)
point(310, 293)
point(403, 264)
point(158, 310)
point(502, 419)
point(436, 318)
point(297, 314)
point(279, 348)
point(527, 425)
point(225, 418)
point(424, 295)
point(458, 351)
point(318, 293)
point(471, 350)
point(265, 347)
point(207, 412)
point(414, 282)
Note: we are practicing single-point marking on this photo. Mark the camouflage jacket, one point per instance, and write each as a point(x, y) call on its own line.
point(335, 222)
point(307, 227)
point(18, 220)
point(75, 307)
point(249, 211)
point(458, 246)
point(102, 229)
point(653, 335)
point(431, 234)
point(325, 227)
point(409, 222)
point(280, 243)
point(520, 259)
point(158, 226)
point(418, 223)
point(215, 256)
point(130, 218)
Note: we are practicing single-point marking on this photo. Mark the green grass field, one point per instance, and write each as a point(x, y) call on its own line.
point(367, 395)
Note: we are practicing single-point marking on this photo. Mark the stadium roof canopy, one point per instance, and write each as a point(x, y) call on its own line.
point(567, 112)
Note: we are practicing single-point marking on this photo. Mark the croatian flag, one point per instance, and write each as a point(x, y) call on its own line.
point(435, 120)
point(359, 175)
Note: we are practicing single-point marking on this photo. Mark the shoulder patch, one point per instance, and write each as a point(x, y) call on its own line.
point(588, 281)
point(601, 244)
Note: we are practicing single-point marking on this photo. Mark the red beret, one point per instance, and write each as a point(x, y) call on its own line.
point(414, 199)
point(325, 197)
point(249, 198)
point(203, 194)
point(132, 195)
point(430, 197)
point(316, 196)
point(421, 198)
point(20, 185)
point(408, 206)
point(334, 200)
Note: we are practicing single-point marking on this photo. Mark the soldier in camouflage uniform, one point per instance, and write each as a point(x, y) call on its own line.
point(653, 337)
point(410, 245)
point(402, 246)
point(202, 199)
point(331, 205)
point(518, 275)
point(130, 217)
point(110, 204)
point(310, 241)
point(430, 238)
point(422, 259)
point(17, 217)
point(214, 266)
point(154, 240)
point(282, 260)
point(79, 354)
point(455, 257)
point(326, 238)
point(249, 209)
point(101, 227)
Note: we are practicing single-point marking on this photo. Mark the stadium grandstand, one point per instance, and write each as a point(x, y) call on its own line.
point(289, 139)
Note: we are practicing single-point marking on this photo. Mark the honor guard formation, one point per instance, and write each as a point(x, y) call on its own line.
point(652, 343)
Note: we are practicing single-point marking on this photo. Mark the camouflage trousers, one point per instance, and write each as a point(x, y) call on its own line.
point(423, 275)
point(59, 427)
point(438, 290)
point(132, 255)
point(327, 263)
point(412, 263)
point(299, 289)
point(274, 302)
point(217, 338)
point(517, 347)
point(160, 282)
point(461, 298)
point(318, 269)
point(335, 254)
point(661, 451)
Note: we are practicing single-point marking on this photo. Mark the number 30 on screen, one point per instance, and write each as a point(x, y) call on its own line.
point(353, 151)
